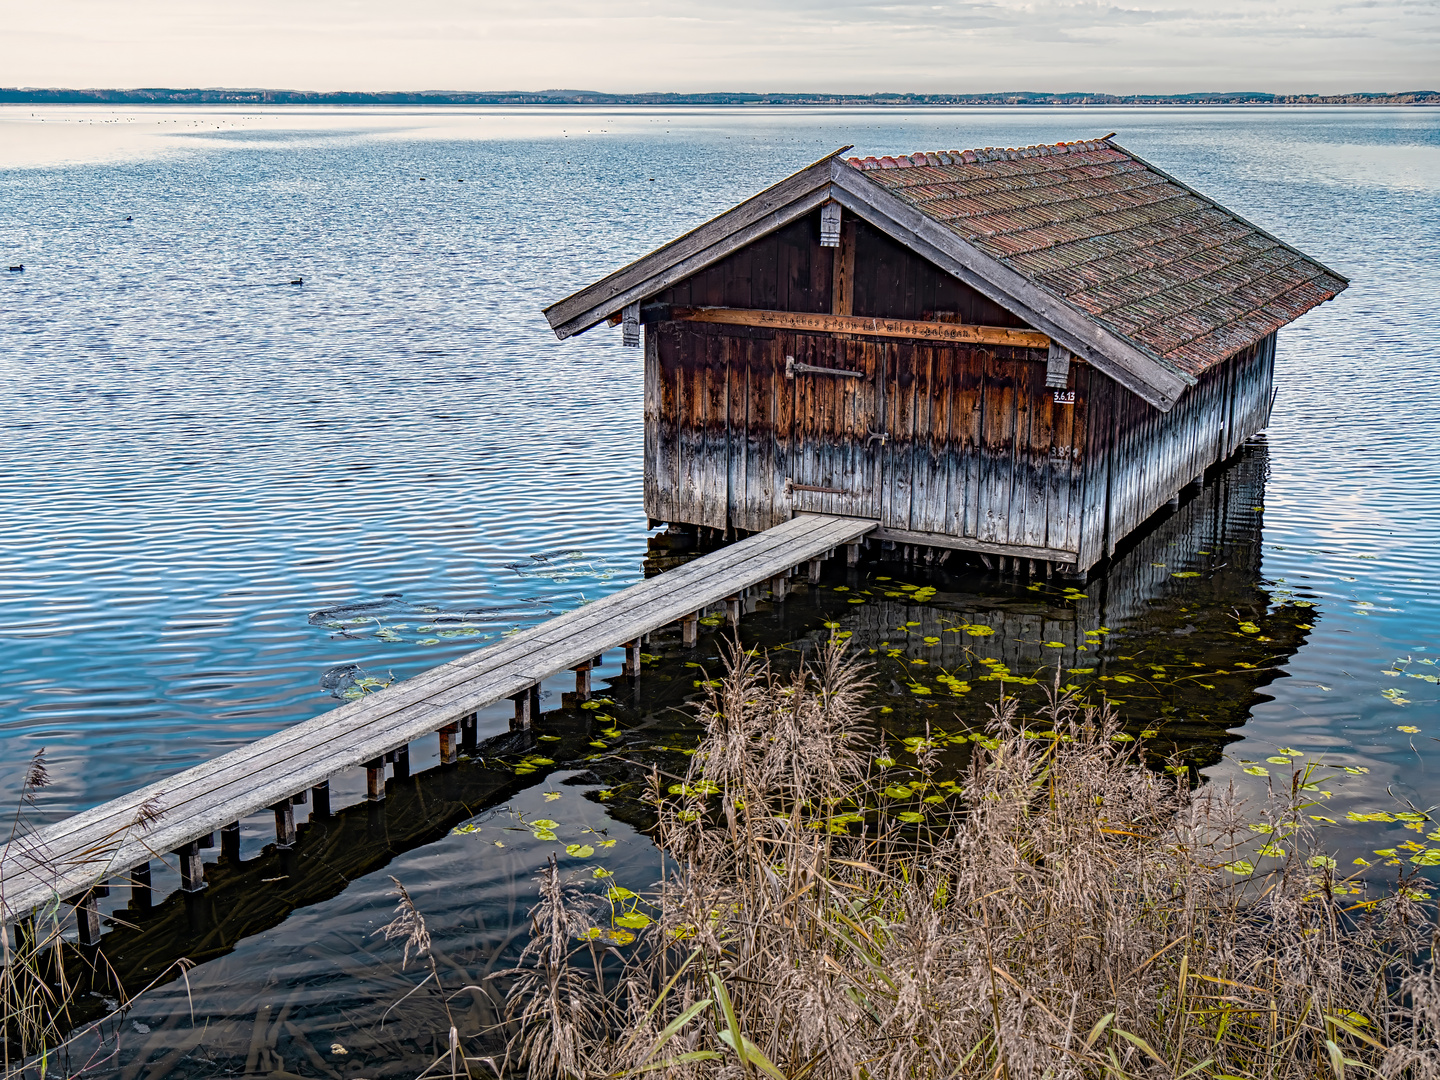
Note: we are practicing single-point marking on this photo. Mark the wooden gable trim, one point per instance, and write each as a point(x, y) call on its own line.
point(1134, 369)
point(776, 206)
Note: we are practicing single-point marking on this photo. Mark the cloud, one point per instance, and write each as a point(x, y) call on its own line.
point(835, 45)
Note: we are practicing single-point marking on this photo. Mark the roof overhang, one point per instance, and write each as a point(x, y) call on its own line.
point(832, 179)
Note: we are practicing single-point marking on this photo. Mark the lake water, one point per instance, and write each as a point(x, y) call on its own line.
point(205, 466)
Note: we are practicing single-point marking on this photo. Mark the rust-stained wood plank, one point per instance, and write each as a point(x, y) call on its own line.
point(940, 332)
point(913, 329)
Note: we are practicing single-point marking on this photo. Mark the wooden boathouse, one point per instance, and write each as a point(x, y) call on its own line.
point(1022, 353)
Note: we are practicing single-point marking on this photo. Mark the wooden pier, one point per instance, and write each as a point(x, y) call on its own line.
point(73, 859)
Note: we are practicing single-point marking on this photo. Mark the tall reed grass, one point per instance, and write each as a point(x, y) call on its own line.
point(1065, 911)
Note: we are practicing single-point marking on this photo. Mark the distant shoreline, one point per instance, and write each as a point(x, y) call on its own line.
point(34, 96)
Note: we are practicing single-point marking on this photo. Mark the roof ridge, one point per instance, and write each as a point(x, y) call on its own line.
point(925, 158)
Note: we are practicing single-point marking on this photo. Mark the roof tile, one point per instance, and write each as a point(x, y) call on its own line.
point(1178, 276)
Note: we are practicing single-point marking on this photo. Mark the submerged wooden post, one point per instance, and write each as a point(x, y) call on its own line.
point(321, 795)
point(779, 587)
point(230, 842)
point(852, 554)
point(582, 681)
point(523, 715)
point(87, 919)
point(733, 606)
point(469, 733)
point(284, 823)
point(192, 870)
point(400, 758)
point(375, 779)
point(449, 745)
point(141, 895)
point(632, 659)
point(814, 576)
point(690, 630)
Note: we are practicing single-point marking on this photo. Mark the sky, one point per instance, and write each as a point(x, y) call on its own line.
point(850, 46)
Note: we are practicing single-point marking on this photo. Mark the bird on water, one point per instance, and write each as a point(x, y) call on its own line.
point(14, 268)
point(298, 281)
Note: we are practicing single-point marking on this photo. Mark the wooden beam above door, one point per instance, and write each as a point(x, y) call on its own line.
point(915, 329)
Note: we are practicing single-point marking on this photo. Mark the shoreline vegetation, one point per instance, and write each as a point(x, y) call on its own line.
point(225, 96)
point(1068, 910)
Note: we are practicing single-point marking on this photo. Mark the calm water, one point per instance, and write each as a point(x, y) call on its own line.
point(205, 467)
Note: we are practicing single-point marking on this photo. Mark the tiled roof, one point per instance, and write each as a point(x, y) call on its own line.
point(1141, 254)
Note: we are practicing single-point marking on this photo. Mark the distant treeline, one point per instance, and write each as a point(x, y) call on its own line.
point(52, 96)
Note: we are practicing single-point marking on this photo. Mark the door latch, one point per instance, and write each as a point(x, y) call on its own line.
point(873, 435)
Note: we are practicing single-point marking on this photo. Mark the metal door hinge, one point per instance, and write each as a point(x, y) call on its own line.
point(791, 487)
point(793, 367)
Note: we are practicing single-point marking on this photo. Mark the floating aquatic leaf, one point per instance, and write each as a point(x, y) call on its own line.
point(1257, 770)
point(1270, 851)
point(579, 851)
point(540, 761)
point(619, 892)
point(1321, 861)
point(1409, 729)
point(468, 827)
point(1054, 644)
point(549, 738)
point(911, 817)
point(545, 834)
point(551, 796)
point(589, 933)
point(898, 791)
point(544, 823)
point(979, 631)
point(428, 641)
point(1149, 733)
point(1120, 736)
point(885, 762)
point(601, 872)
point(1278, 760)
point(621, 937)
point(1186, 573)
point(1241, 866)
point(633, 920)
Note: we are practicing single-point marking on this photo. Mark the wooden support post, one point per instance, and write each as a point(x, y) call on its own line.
point(779, 587)
point(814, 576)
point(192, 870)
point(400, 757)
point(986, 560)
point(103, 889)
point(284, 823)
point(321, 794)
point(733, 605)
point(852, 554)
point(1032, 568)
point(469, 733)
point(375, 780)
point(230, 842)
point(632, 659)
point(207, 841)
point(523, 716)
point(449, 744)
point(690, 630)
point(87, 919)
point(582, 681)
point(842, 288)
point(141, 894)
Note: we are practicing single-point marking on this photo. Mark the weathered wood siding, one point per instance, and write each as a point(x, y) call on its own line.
point(945, 441)
point(1139, 457)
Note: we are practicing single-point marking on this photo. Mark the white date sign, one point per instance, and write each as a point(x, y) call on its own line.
point(1064, 397)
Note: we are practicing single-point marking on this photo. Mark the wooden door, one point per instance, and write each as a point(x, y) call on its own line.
point(835, 391)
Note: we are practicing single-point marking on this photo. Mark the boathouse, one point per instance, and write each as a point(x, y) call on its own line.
point(1023, 353)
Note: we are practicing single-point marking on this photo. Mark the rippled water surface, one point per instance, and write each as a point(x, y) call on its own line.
point(226, 498)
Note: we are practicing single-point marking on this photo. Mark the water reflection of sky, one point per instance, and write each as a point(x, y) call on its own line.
point(199, 457)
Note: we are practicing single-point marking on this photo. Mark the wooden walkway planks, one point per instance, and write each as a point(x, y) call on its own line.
point(68, 857)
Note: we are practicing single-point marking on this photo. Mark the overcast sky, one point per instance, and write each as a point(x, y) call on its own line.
point(823, 45)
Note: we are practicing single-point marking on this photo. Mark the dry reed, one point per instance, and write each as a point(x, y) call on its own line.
point(1066, 911)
